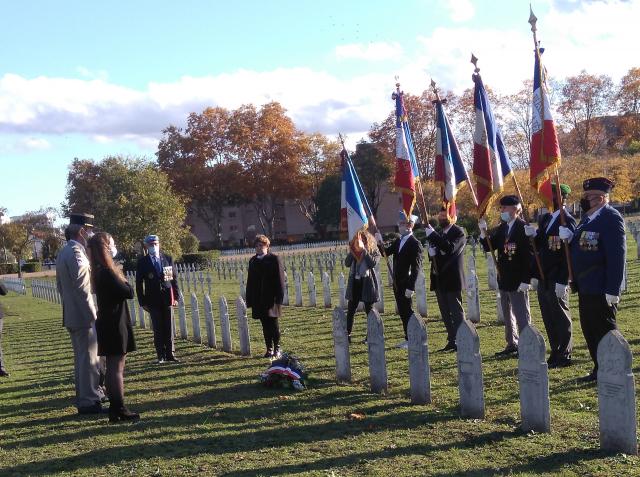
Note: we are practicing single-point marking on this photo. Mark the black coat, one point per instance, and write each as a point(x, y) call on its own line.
point(551, 251)
point(514, 266)
point(3, 291)
point(113, 325)
point(407, 262)
point(265, 285)
point(447, 267)
point(158, 290)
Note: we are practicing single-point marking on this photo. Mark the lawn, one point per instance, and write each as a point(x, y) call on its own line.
point(208, 415)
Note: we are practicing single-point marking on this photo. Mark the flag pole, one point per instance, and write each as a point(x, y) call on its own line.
point(369, 211)
point(474, 60)
point(563, 219)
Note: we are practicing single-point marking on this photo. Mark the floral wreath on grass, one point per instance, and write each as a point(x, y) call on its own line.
point(285, 372)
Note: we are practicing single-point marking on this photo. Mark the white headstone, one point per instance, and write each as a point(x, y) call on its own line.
point(379, 305)
point(182, 317)
point(421, 294)
point(311, 284)
point(342, 291)
point(470, 383)
point(616, 395)
point(243, 327)
point(225, 325)
point(210, 324)
point(533, 377)
point(377, 358)
point(243, 287)
point(326, 289)
point(499, 311)
point(285, 299)
point(297, 278)
point(141, 317)
point(492, 276)
point(419, 375)
point(341, 346)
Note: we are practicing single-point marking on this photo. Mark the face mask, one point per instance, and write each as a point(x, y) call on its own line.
point(585, 205)
point(505, 216)
point(113, 250)
point(154, 249)
point(404, 230)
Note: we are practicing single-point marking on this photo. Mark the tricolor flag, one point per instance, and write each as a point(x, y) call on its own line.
point(545, 151)
point(406, 165)
point(353, 215)
point(490, 159)
point(450, 172)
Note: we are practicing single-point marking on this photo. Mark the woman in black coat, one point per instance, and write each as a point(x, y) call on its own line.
point(113, 326)
point(265, 292)
point(362, 286)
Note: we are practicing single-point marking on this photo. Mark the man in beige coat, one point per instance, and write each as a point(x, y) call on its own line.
point(73, 277)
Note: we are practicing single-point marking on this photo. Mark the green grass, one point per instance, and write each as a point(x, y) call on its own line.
point(209, 415)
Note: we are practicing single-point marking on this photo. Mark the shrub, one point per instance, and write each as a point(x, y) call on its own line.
point(200, 259)
point(31, 267)
point(8, 268)
point(189, 243)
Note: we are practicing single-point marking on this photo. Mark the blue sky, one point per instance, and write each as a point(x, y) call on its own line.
point(87, 79)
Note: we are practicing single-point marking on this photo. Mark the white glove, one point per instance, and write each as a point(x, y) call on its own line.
point(379, 237)
point(482, 225)
point(530, 230)
point(428, 230)
point(565, 234)
point(612, 299)
point(524, 287)
point(408, 293)
point(561, 290)
point(534, 283)
point(433, 251)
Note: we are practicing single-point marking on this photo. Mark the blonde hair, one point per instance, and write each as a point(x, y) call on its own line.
point(262, 239)
point(368, 240)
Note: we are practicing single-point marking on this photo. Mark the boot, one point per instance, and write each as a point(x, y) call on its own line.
point(118, 412)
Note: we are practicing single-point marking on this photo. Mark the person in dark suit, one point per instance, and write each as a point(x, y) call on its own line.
point(362, 285)
point(515, 254)
point(265, 292)
point(553, 291)
point(407, 263)
point(157, 290)
point(446, 253)
point(598, 252)
point(113, 325)
point(3, 372)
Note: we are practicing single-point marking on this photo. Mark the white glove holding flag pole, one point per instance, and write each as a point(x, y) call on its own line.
point(408, 293)
point(561, 290)
point(429, 230)
point(433, 251)
point(612, 299)
point(534, 283)
point(482, 225)
point(529, 230)
point(378, 237)
point(524, 287)
point(565, 234)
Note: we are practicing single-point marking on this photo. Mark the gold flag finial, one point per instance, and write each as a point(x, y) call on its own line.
point(532, 19)
point(474, 60)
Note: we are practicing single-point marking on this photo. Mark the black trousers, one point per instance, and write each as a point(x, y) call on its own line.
point(352, 305)
point(162, 332)
point(597, 318)
point(271, 332)
point(451, 311)
point(557, 321)
point(404, 308)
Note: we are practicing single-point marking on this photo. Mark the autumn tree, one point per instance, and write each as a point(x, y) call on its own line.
point(517, 125)
point(628, 101)
point(374, 168)
point(271, 151)
point(130, 199)
point(584, 98)
point(18, 236)
point(327, 200)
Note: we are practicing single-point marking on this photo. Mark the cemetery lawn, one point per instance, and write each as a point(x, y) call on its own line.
point(208, 415)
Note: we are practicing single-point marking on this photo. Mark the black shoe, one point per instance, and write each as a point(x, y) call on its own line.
point(507, 351)
point(172, 359)
point(268, 354)
point(589, 378)
point(449, 347)
point(349, 338)
point(563, 362)
point(122, 414)
point(4, 373)
point(160, 361)
point(95, 409)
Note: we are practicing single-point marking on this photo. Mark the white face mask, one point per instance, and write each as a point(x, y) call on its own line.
point(154, 250)
point(505, 216)
point(113, 249)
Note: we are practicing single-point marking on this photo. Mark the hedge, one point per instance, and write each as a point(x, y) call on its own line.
point(8, 268)
point(200, 259)
point(31, 267)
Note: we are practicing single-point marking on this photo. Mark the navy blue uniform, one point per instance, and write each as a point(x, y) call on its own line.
point(598, 253)
point(554, 309)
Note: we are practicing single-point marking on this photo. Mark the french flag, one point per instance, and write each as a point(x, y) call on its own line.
point(406, 164)
point(450, 172)
point(353, 214)
point(490, 159)
point(545, 150)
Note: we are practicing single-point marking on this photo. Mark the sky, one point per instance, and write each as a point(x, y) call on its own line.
point(86, 80)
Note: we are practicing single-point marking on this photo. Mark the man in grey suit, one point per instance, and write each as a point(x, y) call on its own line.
point(73, 277)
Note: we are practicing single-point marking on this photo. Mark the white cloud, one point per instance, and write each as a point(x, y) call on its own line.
point(91, 74)
point(375, 51)
point(26, 145)
point(598, 36)
point(459, 10)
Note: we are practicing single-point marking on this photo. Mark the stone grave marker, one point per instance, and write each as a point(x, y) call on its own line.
point(341, 346)
point(533, 377)
point(377, 358)
point(419, 375)
point(470, 382)
point(225, 325)
point(243, 327)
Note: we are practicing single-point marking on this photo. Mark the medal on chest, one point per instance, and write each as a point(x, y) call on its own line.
point(510, 249)
point(554, 243)
point(168, 273)
point(589, 241)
